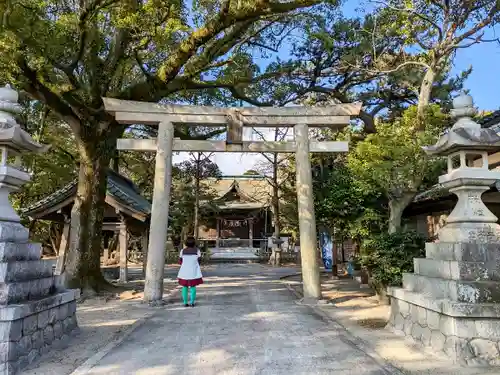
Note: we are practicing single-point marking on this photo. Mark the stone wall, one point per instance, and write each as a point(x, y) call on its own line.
point(24, 340)
point(468, 341)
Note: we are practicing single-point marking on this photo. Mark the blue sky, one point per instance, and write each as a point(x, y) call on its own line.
point(483, 83)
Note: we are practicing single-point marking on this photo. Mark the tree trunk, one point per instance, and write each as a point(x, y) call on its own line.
point(83, 259)
point(396, 208)
point(197, 178)
point(275, 259)
point(425, 94)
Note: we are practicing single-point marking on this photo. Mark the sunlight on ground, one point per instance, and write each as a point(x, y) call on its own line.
point(396, 349)
point(277, 290)
point(211, 357)
point(95, 308)
point(163, 370)
point(263, 314)
point(104, 369)
point(111, 323)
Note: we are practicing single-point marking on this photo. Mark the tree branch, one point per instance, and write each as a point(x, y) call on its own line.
point(478, 26)
point(40, 92)
point(416, 14)
point(223, 20)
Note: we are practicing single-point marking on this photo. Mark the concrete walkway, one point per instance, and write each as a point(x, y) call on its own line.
point(246, 323)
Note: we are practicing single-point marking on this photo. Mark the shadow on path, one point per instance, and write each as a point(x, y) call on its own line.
point(246, 323)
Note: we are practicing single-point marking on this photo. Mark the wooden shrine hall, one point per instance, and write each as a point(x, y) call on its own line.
point(243, 217)
point(126, 213)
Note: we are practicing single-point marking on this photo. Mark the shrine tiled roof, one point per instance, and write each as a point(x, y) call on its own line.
point(120, 188)
point(253, 188)
point(435, 192)
point(490, 120)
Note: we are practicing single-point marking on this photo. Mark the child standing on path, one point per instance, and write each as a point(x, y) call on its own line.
point(190, 273)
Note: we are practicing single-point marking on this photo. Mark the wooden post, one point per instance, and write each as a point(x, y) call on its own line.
point(63, 246)
point(217, 238)
point(307, 219)
point(153, 289)
point(123, 240)
point(144, 245)
point(105, 252)
point(250, 232)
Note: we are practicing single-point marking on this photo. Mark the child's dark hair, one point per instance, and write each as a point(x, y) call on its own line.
point(190, 242)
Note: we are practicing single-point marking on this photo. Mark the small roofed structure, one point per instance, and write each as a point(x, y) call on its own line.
point(126, 213)
point(243, 216)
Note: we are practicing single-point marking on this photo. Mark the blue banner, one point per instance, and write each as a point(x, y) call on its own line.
point(326, 244)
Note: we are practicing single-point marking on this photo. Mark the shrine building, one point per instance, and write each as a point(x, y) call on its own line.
point(242, 217)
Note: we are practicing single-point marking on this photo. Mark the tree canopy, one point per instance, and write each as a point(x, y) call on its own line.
point(69, 54)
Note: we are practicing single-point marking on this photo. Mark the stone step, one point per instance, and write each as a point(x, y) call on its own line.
point(455, 290)
point(469, 252)
point(10, 251)
point(447, 307)
point(233, 256)
point(457, 270)
point(21, 310)
point(13, 232)
point(15, 271)
point(26, 290)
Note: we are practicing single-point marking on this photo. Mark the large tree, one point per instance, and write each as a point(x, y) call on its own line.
point(430, 33)
point(193, 174)
point(392, 160)
point(270, 167)
point(193, 195)
point(69, 54)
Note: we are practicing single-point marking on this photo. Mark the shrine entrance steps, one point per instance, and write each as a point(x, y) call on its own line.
point(234, 255)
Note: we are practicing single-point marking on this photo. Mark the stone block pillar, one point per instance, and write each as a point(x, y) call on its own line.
point(34, 313)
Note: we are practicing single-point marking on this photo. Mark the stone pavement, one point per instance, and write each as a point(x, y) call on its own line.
point(246, 323)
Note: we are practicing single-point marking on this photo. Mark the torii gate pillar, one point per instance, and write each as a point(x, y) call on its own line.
point(153, 287)
point(307, 220)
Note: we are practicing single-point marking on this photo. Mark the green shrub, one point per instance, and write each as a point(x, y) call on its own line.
point(356, 262)
point(388, 256)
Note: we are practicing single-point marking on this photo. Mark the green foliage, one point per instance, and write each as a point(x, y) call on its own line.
point(251, 172)
point(341, 201)
point(50, 171)
point(185, 186)
point(392, 160)
point(388, 256)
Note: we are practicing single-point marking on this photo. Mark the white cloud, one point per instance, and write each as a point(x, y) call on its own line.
point(233, 163)
point(230, 163)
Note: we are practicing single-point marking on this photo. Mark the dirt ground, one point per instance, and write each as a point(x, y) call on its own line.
point(101, 320)
point(356, 304)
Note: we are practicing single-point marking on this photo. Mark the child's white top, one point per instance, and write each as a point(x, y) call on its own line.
point(190, 267)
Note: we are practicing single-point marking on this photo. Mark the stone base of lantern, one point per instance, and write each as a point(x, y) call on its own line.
point(35, 314)
point(451, 304)
point(470, 232)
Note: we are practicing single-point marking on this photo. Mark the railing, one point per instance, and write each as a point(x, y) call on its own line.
point(234, 242)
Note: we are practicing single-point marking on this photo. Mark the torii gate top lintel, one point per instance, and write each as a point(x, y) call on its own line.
point(133, 112)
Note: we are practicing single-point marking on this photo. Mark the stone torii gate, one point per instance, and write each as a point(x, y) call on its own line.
point(167, 116)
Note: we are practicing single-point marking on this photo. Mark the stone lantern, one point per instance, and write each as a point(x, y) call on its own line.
point(35, 311)
point(466, 147)
point(451, 302)
point(14, 141)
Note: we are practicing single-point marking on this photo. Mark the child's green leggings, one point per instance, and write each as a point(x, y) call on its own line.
point(185, 294)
